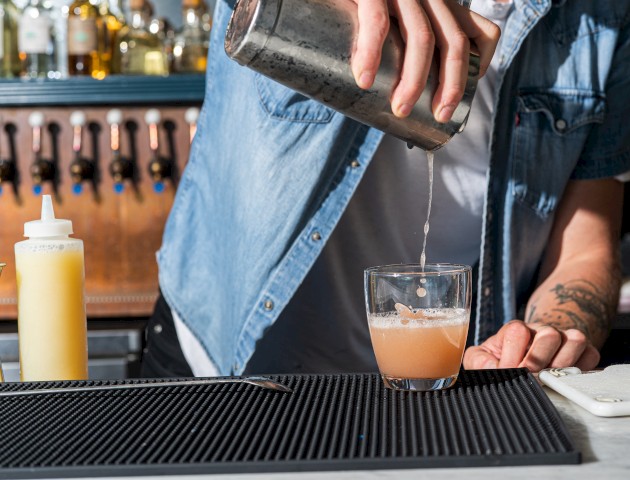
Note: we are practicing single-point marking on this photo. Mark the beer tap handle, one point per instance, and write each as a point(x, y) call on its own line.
point(192, 116)
point(152, 118)
point(120, 168)
point(41, 170)
point(114, 119)
point(81, 169)
point(159, 168)
point(36, 121)
point(8, 171)
point(78, 121)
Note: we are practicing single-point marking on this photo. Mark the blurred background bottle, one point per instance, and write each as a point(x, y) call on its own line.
point(166, 33)
point(206, 18)
point(9, 54)
point(113, 21)
point(140, 52)
point(191, 43)
point(36, 40)
point(84, 24)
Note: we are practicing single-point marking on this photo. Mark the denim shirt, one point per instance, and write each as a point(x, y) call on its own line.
point(271, 172)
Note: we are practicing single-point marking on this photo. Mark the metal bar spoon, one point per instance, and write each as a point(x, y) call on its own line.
point(262, 382)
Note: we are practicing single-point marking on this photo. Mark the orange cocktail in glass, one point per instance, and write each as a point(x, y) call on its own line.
point(418, 320)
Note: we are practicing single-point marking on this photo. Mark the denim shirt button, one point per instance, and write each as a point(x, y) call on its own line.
point(355, 164)
point(316, 236)
point(486, 291)
point(268, 305)
point(561, 124)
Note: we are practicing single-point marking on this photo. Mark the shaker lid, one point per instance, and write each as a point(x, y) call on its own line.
point(47, 225)
point(252, 22)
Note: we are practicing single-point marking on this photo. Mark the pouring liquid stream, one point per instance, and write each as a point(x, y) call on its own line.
point(423, 256)
point(405, 311)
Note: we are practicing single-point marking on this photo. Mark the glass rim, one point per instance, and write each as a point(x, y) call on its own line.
point(398, 269)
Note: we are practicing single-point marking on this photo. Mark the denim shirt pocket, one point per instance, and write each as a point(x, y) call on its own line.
point(551, 130)
point(282, 103)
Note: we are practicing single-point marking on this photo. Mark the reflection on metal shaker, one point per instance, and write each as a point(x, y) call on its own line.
point(306, 45)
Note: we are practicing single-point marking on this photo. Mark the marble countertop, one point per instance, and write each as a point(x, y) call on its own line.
point(604, 443)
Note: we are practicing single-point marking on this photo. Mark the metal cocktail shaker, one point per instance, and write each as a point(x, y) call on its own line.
point(306, 45)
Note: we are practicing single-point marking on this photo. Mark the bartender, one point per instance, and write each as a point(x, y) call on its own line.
point(285, 202)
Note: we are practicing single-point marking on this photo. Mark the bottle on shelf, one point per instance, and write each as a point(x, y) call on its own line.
point(113, 21)
point(9, 54)
point(59, 18)
point(140, 52)
point(206, 19)
point(190, 51)
point(166, 33)
point(36, 40)
point(84, 24)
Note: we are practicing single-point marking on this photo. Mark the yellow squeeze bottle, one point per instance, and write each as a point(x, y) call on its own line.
point(52, 327)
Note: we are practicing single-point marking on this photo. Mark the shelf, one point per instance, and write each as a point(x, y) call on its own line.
point(113, 90)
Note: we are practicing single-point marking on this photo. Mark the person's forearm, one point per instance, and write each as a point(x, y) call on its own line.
point(583, 296)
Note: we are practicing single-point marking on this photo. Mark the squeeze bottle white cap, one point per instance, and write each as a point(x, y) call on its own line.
point(48, 225)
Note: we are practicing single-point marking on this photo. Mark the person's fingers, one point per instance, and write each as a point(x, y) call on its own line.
point(478, 358)
point(589, 359)
point(373, 27)
point(417, 34)
point(573, 345)
point(454, 48)
point(546, 343)
point(516, 340)
point(420, 23)
point(482, 32)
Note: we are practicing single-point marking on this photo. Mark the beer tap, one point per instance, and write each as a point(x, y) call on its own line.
point(120, 168)
point(41, 170)
point(81, 169)
point(160, 168)
point(191, 116)
point(8, 167)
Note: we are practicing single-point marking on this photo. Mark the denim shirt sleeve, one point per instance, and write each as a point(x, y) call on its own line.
point(607, 149)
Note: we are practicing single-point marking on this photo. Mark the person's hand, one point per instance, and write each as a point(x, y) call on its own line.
point(533, 346)
point(423, 25)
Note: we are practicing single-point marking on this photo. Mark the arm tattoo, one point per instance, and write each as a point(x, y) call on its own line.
point(592, 312)
point(584, 295)
point(560, 319)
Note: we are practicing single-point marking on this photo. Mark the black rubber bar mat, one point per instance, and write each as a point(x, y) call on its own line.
point(329, 422)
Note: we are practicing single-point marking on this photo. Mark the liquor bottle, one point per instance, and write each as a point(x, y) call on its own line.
point(113, 21)
point(9, 54)
point(139, 51)
point(206, 20)
point(36, 40)
point(84, 22)
point(191, 43)
point(166, 33)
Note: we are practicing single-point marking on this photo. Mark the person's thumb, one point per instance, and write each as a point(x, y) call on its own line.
point(476, 358)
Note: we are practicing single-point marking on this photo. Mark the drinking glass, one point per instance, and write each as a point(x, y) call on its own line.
point(418, 319)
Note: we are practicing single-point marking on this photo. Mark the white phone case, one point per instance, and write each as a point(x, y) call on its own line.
point(605, 393)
